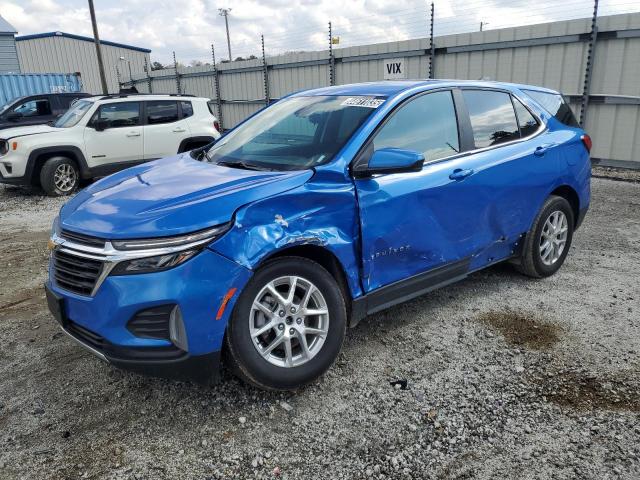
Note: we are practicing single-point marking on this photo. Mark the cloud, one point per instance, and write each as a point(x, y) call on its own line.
point(189, 27)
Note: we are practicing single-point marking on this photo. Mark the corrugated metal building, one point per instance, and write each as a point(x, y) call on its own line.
point(67, 53)
point(8, 54)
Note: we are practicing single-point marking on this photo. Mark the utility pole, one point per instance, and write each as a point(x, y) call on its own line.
point(96, 39)
point(224, 12)
point(483, 24)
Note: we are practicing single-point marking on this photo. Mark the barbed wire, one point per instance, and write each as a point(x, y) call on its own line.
point(406, 24)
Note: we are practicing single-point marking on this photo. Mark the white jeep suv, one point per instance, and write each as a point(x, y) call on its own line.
point(101, 135)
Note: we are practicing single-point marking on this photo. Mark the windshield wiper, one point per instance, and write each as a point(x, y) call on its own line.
point(243, 165)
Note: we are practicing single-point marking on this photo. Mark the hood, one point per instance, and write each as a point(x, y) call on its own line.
point(172, 196)
point(9, 133)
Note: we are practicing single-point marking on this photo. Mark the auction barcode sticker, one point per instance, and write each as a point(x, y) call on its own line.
point(368, 102)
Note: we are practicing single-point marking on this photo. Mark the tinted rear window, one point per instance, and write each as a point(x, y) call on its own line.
point(493, 120)
point(555, 105)
point(162, 111)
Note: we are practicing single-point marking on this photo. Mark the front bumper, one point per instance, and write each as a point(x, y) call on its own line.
point(198, 287)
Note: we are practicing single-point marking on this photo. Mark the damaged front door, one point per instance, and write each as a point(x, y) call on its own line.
point(415, 222)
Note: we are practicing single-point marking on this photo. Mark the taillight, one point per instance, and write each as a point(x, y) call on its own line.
point(216, 125)
point(586, 140)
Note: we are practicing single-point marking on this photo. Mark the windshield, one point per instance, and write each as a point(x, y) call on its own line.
point(294, 134)
point(74, 114)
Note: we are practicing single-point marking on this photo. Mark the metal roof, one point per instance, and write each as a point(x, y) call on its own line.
point(6, 27)
point(80, 37)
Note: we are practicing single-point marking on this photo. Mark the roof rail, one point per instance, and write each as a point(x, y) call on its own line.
point(125, 95)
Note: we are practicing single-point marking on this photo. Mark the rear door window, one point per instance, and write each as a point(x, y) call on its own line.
point(555, 105)
point(162, 111)
point(493, 119)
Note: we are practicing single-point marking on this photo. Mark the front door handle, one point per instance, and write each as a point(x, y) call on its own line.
point(460, 174)
point(179, 130)
point(542, 149)
point(133, 134)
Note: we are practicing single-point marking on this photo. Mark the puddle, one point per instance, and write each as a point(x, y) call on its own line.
point(522, 329)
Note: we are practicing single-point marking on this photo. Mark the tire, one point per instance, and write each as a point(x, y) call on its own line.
point(275, 370)
point(538, 260)
point(59, 176)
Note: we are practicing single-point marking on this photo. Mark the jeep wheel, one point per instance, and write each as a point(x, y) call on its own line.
point(547, 243)
point(59, 176)
point(288, 325)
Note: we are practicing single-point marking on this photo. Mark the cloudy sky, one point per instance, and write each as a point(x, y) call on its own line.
point(190, 26)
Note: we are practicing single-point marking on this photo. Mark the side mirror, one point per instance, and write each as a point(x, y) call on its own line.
point(391, 160)
point(14, 116)
point(100, 125)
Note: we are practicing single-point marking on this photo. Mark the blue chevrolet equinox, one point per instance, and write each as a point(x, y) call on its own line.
point(320, 209)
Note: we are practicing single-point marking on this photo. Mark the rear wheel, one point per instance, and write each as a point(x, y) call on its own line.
point(59, 176)
point(288, 325)
point(547, 243)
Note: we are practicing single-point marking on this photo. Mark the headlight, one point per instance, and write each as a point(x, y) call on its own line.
point(203, 236)
point(153, 264)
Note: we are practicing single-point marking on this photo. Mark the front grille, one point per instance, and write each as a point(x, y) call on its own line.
point(74, 273)
point(115, 352)
point(152, 322)
point(82, 239)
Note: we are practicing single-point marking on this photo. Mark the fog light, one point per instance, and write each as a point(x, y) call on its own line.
point(177, 332)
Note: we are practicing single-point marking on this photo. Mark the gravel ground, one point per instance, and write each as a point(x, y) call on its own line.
point(506, 377)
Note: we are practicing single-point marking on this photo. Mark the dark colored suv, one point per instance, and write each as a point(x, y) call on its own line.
point(36, 109)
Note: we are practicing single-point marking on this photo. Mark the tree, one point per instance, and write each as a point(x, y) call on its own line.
point(156, 66)
point(196, 63)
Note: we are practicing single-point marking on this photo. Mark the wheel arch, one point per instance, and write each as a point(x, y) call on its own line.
point(194, 142)
point(322, 256)
point(570, 195)
point(39, 157)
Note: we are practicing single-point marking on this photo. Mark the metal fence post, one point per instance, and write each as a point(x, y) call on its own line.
point(332, 63)
point(591, 53)
point(118, 77)
point(175, 67)
point(265, 73)
point(432, 48)
point(146, 69)
point(216, 86)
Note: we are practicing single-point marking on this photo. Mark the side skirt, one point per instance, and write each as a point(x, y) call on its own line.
point(404, 290)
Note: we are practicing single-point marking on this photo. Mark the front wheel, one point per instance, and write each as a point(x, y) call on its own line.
point(547, 243)
point(59, 176)
point(288, 325)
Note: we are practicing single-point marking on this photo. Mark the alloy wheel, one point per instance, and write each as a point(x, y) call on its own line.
point(553, 238)
point(289, 321)
point(65, 177)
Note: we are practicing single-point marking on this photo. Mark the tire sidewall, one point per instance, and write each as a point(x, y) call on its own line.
point(47, 176)
point(554, 204)
point(244, 353)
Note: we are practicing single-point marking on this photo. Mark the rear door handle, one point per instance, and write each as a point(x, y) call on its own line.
point(133, 134)
point(179, 130)
point(460, 174)
point(542, 149)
